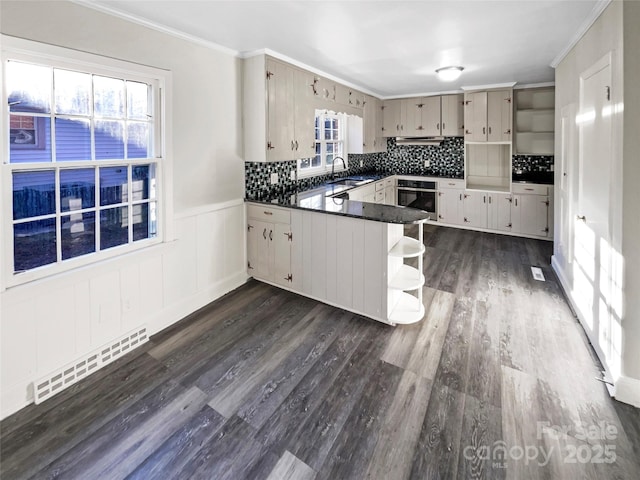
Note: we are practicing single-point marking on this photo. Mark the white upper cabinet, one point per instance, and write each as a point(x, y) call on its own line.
point(278, 111)
point(423, 117)
point(372, 116)
point(487, 116)
point(452, 116)
point(304, 121)
point(394, 116)
point(499, 114)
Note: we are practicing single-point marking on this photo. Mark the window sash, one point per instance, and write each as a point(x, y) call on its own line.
point(323, 142)
point(57, 57)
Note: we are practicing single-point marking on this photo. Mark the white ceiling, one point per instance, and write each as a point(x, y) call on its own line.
point(390, 48)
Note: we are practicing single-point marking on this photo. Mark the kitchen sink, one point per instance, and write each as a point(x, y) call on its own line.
point(351, 182)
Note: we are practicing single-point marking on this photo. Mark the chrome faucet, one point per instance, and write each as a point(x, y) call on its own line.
point(333, 166)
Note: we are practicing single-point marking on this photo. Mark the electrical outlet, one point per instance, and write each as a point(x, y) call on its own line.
point(293, 175)
point(361, 163)
point(274, 178)
point(427, 163)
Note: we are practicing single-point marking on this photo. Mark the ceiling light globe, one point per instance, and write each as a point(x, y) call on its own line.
point(449, 74)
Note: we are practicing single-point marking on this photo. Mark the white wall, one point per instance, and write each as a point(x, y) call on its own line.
point(48, 323)
point(618, 342)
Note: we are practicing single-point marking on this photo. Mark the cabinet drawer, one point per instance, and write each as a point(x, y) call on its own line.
point(270, 214)
point(380, 196)
point(529, 189)
point(455, 184)
point(379, 186)
point(389, 182)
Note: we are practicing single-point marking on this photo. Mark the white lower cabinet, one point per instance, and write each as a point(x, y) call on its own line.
point(269, 240)
point(530, 215)
point(475, 212)
point(450, 202)
point(499, 211)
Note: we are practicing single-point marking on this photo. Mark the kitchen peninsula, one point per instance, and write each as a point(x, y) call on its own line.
point(347, 253)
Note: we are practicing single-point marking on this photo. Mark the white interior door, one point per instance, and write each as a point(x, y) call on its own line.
point(591, 262)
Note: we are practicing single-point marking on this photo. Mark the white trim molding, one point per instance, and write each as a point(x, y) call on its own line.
point(155, 26)
point(598, 8)
point(627, 390)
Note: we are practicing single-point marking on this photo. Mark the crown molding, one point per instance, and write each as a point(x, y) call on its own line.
point(488, 87)
point(597, 10)
point(155, 26)
point(535, 85)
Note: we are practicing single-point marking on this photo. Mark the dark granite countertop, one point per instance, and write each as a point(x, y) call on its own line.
point(319, 199)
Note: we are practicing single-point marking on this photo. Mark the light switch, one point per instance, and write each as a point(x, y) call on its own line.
point(274, 178)
point(427, 163)
point(293, 175)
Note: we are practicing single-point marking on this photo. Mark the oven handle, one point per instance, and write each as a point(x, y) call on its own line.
point(410, 189)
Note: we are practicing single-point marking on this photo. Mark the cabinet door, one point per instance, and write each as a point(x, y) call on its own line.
point(369, 120)
point(499, 113)
point(280, 238)
point(475, 209)
point(326, 89)
point(475, 116)
point(304, 122)
point(450, 209)
point(380, 141)
point(390, 196)
point(342, 94)
point(452, 115)
point(530, 214)
point(280, 106)
point(258, 248)
point(431, 112)
point(414, 124)
point(499, 211)
point(391, 118)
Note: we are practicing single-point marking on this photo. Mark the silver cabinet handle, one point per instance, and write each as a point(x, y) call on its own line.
point(271, 235)
point(489, 130)
point(264, 234)
point(581, 217)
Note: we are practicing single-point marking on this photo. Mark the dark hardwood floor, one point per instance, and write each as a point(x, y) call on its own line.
point(498, 381)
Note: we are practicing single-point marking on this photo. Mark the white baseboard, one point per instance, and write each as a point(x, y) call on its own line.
point(178, 311)
point(627, 390)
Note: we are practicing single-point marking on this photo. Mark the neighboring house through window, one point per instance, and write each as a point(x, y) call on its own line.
point(83, 161)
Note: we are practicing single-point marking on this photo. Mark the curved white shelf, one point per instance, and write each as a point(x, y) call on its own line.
point(407, 247)
point(407, 278)
point(409, 309)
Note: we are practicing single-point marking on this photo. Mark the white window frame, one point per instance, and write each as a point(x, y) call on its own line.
point(324, 168)
point(59, 57)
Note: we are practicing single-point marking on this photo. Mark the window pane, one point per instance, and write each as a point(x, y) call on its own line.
point(108, 94)
point(78, 234)
point(305, 163)
point(143, 182)
point(144, 221)
point(34, 194)
point(29, 139)
point(73, 91)
point(137, 100)
point(318, 148)
point(114, 224)
point(77, 189)
point(73, 139)
point(113, 185)
point(327, 134)
point(109, 138)
point(137, 140)
point(34, 244)
point(28, 87)
point(316, 161)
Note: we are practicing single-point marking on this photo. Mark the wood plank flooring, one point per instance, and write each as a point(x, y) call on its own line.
point(498, 381)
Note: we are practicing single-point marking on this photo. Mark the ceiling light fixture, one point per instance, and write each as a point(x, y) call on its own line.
point(449, 74)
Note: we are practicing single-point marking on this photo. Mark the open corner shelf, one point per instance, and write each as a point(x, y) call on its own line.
point(408, 309)
point(407, 247)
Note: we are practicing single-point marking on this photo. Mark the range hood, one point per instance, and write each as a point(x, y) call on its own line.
point(419, 140)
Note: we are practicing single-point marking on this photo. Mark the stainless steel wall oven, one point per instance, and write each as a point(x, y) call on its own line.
point(419, 194)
